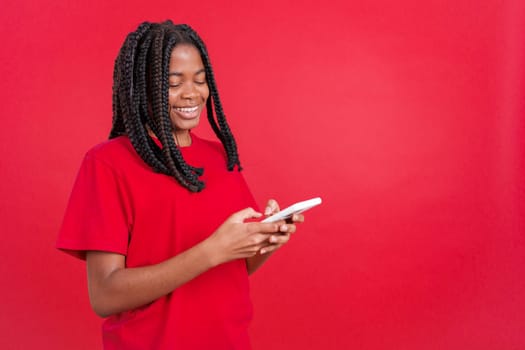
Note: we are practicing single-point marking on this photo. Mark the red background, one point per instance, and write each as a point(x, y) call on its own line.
point(405, 116)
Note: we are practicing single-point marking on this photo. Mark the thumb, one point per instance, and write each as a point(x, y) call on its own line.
point(245, 214)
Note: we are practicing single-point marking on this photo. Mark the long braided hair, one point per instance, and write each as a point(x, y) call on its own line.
point(140, 100)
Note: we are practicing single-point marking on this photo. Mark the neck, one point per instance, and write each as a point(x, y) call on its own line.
point(182, 137)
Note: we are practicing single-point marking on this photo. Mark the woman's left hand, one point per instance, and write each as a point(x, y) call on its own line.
point(287, 228)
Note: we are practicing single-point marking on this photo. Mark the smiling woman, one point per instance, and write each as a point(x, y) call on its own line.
point(159, 213)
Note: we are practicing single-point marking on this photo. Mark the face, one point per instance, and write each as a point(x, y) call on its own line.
point(188, 89)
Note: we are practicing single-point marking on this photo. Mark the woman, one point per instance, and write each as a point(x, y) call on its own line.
point(162, 217)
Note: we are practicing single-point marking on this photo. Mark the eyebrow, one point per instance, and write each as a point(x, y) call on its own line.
point(179, 74)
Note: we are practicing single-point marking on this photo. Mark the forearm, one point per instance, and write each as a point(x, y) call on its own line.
point(128, 288)
point(253, 263)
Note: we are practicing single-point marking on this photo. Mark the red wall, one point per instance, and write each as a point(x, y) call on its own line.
point(405, 116)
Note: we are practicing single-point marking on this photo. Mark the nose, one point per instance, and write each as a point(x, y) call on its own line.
point(189, 91)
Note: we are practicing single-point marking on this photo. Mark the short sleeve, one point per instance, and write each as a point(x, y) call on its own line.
point(96, 216)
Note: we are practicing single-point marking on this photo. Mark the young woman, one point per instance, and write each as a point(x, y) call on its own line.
point(164, 218)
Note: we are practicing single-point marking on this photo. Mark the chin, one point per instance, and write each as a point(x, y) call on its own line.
point(186, 124)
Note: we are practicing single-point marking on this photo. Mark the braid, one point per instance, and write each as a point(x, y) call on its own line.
point(160, 105)
point(118, 123)
point(222, 131)
point(127, 98)
point(153, 154)
point(141, 100)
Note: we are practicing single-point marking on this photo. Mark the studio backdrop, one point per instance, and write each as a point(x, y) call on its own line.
point(406, 117)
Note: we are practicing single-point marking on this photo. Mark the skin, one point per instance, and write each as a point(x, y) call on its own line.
point(113, 288)
point(187, 89)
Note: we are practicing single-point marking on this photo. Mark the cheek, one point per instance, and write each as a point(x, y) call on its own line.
point(172, 97)
point(205, 92)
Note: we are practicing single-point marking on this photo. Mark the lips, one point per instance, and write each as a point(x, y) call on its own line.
point(186, 109)
point(187, 112)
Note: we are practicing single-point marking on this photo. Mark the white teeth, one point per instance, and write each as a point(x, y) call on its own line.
point(186, 110)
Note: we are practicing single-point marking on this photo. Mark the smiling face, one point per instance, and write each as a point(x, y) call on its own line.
point(188, 90)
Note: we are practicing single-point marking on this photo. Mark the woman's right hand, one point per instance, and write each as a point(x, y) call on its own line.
point(237, 239)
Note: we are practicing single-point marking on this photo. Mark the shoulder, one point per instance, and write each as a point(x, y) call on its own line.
point(117, 153)
point(110, 148)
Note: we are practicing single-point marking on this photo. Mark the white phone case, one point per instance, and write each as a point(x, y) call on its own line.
point(296, 208)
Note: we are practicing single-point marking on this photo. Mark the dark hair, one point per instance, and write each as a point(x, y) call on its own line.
point(140, 100)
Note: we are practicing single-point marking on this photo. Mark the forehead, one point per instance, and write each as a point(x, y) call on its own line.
point(185, 57)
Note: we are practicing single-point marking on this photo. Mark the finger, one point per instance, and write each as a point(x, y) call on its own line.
point(279, 239)
point(245, 214)
point(248, 252)
point(251, 249)
point(258, 239)
point(272, 207)
point(287, 228)
point(254, 239)
point(298, 218)
point(263, 227)
point(270, 248)
point(253, 243)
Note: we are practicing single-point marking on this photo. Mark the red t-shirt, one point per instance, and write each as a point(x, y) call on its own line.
point(118, 204)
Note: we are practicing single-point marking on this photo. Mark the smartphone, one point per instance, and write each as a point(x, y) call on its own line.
point(296, 208)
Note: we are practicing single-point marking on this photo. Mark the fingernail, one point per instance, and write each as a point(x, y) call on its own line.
point(263, 251)
point(267, 211)
point(273, 239)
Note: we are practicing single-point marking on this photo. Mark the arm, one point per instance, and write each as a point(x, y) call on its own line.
point(113, 288)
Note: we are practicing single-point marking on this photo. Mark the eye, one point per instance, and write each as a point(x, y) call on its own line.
point(174, 85)
point(200, 82)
